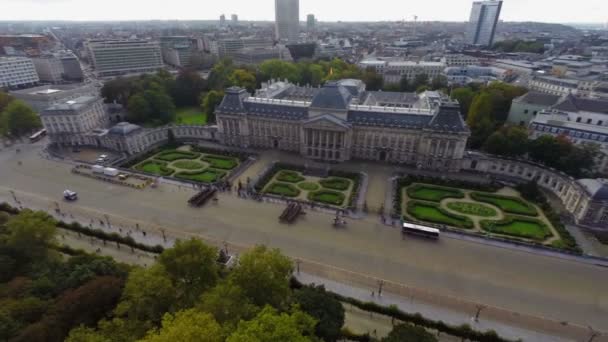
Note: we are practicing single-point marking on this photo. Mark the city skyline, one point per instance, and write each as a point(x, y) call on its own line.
point(586, 11)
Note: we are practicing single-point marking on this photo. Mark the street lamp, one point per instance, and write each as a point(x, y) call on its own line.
point(380, 285)
point(480, 307)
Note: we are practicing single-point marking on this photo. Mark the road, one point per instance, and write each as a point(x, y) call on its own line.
point(558, 289)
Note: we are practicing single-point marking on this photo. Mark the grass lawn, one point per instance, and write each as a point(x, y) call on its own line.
point(220, 162)
point(283, 189)
point(188, 165)
point(518, 227)
point(173, 155)
point(207, 176)
point(190, 116)
point(335, 183)
point(511, 205)
point(433, 193)
point(474, 209)
point(155, 167)
point(309, 186)
point(289, 176)
point(327, 197)
point(431, 212)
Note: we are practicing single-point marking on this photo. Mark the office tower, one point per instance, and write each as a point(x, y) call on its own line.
point(482, 24)
point(178, 51)
point(235, 19)
point(287, 20)
point(17, 72)
point(118, 57)
point(222, 20)
point(310, 23)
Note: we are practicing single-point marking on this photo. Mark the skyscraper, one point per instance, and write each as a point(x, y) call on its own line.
point(222, 20)
point(482, 24)
point(235, 19)
point(287, 15)
point(310, 23)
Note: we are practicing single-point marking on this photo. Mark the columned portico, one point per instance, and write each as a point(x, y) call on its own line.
point(324, 144)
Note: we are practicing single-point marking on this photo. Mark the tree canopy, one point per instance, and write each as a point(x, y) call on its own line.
point(327, 310)
point(17, 118)
point(187, 326)
point(271, 326)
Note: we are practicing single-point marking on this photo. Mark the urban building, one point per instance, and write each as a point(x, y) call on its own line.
point(311, 23)
point(42, 97)
point(287, 20)
point(49, 68)
point(482, 22)
point(252, 56)
point(72, 69)
point(475, 74)
point(234, 19)
point(17, 72)
point(178, 51)
point(222, 20)
point(119, 57)
point(71, 120)
point(525, 108)
point(393, 71)
point(459, 60)
point(231, 46)
point(580, 86)
point(342, 121)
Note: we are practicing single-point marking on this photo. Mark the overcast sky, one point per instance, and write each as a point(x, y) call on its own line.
point(561, 11)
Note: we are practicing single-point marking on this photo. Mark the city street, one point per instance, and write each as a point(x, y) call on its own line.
point(558, 289)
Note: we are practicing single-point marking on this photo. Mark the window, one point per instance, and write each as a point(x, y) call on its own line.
point(578, 119)
point(589, 121)
point(600, 122)
point(526, 111)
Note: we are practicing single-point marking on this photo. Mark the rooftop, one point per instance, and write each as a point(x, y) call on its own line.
point(71, 105)
point(596, 188)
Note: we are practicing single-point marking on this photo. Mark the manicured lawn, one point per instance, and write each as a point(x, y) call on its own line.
point(335, 183)
point(309, 186)
point(207, 176)
point(220, 162)
point(518, 227)
point(327, 197)
point(155, 167)
point(511, 205)
point(173, 155)
point(433, 193)
point(289, 177)
point(431, 212)
point(188, 165)
point(283, 189)
point(190, 116)
point(474, 209)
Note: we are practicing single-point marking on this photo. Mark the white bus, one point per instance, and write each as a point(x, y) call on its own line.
point(415, 229)
point(38, 135)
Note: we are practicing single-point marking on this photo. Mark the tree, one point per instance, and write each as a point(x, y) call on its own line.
point(404, 84)
point(420, 80)
point(138, 109)
point(188, 87)
point(191, 266)
point(211, 100)
point(30, 234)
point(162, 108)
point(187, 326)
point(270, 326)
point(5, 99)
point(147, 295)
point(279, 70)
point(20, 118)
point(264, 274)
point(243, 78)
point(85, 334)
point(439, 82)
point(511, 141)
point(464, 96)
point(373, 81)
point(228, 304)
point(408, 333)
point(480, 119)
point(220, 73)
point(327, 310)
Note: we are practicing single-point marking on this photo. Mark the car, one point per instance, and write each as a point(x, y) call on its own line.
point(70, 195)
point(100, 161)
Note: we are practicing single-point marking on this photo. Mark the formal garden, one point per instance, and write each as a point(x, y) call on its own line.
point(189, 163)
point(336, 189)
point(487, 209)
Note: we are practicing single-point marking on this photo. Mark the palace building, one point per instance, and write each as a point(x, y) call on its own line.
point(342, 121)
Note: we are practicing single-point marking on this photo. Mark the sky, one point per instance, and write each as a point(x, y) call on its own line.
point(554, 11)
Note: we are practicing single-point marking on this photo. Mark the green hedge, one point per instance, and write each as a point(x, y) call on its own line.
point(432, 193)
point(173, 155)
point(241, 156)
point(283, 189)
point(437, 215)
point(205, 176)
point(356, 178)
point(289, 176)
point(327, 197)
point(335, 183)
point(508, 226)
point(154, 167)
point(508, 204)
point(221, 162)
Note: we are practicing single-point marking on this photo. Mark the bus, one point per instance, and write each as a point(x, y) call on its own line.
point(38, 135)
point(414, 229)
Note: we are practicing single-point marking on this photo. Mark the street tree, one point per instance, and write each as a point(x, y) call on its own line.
point(187, 326)
point(408, 333)
point(228, 304)
point(323, 307)
point(211, 100)
point(271, 326)
point(20, 118)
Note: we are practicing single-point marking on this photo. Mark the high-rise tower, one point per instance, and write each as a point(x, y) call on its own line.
point(482, 24)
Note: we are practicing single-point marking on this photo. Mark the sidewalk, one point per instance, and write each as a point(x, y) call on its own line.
point(432, 312)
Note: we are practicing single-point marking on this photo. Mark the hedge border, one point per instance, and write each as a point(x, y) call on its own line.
point(458, 193)
point(510, 219)
point(478, 196)
point(437, 206)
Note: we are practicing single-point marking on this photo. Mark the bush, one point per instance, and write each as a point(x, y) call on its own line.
point(508, 204)
point(335, 183)
point(206, 176)
point(220, 162)
point(173, 155)
point(432, 212)
point(283, 189)
point(433, 193)
point(289, 176)
point(518, 227)
point(327, 197)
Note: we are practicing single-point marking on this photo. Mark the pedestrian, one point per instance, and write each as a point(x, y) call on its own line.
point(373, 294)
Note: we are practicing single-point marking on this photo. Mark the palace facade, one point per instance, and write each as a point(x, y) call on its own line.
point(342, 121)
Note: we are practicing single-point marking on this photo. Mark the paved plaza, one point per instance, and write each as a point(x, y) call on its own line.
point(559, 289)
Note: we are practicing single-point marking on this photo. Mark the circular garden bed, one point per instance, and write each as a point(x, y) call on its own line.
point(475, 209)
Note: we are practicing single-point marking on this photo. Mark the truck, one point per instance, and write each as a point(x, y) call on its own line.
point(108, 171)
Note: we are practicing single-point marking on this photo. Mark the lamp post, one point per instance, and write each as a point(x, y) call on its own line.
point(480, 307)
point(380, 285)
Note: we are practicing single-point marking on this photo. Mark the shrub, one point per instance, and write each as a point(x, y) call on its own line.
point(173, 155)
point(155, 167)
point(220, 162)
point(283, 189)
point(289, 176)
point(309, 186)
point(432, 212)
point(519, 227)
point(335, 183)
point(206, 176)
point(327, 197)
point(508, 204)
point(433, 193)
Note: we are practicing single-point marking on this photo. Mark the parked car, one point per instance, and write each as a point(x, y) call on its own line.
point(70, 195)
